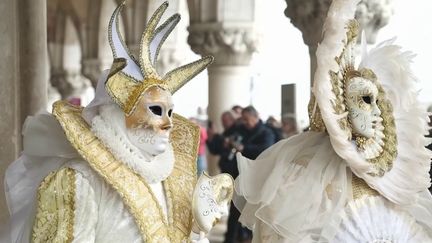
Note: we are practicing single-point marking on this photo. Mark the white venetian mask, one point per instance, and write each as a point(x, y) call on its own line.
point(149, 125)
point(361, 100)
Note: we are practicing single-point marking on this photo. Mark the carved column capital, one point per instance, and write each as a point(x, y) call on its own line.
point(372, 16)
point(308, 16)
point(230, 45)
point(91, 69)
point(58, 80)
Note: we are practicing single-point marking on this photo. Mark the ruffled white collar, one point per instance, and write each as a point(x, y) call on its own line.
point(110, 128)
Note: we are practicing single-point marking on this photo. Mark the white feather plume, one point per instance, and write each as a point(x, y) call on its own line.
point(409, 174)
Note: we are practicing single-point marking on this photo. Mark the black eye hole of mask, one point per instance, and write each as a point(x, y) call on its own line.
point(170, 112)
point(155, 109)
point(367, 99)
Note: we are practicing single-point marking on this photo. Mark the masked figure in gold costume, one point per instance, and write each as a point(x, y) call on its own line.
point(361, 173)
point(122, 169)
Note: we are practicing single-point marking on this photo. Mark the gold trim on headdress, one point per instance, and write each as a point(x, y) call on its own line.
point(128, 79)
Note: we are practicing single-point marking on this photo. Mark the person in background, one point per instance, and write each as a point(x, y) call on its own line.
point(289, 125)
point(237, 110)
point(250, 138)
point(275, 127)
point(217, 143)
point(201, 160)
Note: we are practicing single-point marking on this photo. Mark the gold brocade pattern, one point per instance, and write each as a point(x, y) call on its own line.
point(146, 64)
point(55, 210)
point(132, 188)
point(119, 86)
point(360, 188)
point(339, 79)
point(315, 120)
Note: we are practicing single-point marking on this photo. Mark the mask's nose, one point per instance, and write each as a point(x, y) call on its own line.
point(375, 110)
point(166, 127)
point(167, 124)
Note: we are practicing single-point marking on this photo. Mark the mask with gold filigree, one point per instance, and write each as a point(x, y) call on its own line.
point(364, 112)
point(144, 95)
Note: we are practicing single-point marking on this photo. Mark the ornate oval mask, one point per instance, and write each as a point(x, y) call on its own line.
point(363, 112)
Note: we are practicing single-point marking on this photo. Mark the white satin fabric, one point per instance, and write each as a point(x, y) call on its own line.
point(296, 190)
point(100, 215)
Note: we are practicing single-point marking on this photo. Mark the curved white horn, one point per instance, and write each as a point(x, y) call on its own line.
point(119, 48)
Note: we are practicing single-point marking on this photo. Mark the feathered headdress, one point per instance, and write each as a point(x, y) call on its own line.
point(400, 169)
point(129, 78)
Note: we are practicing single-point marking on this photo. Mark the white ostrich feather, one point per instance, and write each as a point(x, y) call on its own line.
point(409, 174)
point(376, 220)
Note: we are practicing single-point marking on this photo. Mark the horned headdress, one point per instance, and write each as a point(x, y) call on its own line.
point(129, 78)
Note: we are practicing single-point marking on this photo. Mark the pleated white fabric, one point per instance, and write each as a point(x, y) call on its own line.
point(297, 190)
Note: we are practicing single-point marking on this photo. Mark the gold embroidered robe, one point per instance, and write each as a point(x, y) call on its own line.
point(133, 190)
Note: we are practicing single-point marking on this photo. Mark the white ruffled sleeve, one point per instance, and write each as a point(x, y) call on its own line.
point(292, 189)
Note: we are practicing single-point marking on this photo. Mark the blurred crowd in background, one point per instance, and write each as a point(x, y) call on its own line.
point(244, 132)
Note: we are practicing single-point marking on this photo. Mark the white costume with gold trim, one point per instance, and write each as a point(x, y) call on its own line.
point(335, 184)
point(92, 210)
point(82, 178)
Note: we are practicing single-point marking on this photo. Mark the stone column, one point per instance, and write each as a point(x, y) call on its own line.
point(229, 75)
point(372, 16)
point(10, 124)
point(59, 81)
point(219, 29)
point(309, 15)
point(33, 56)
point(23, 76)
